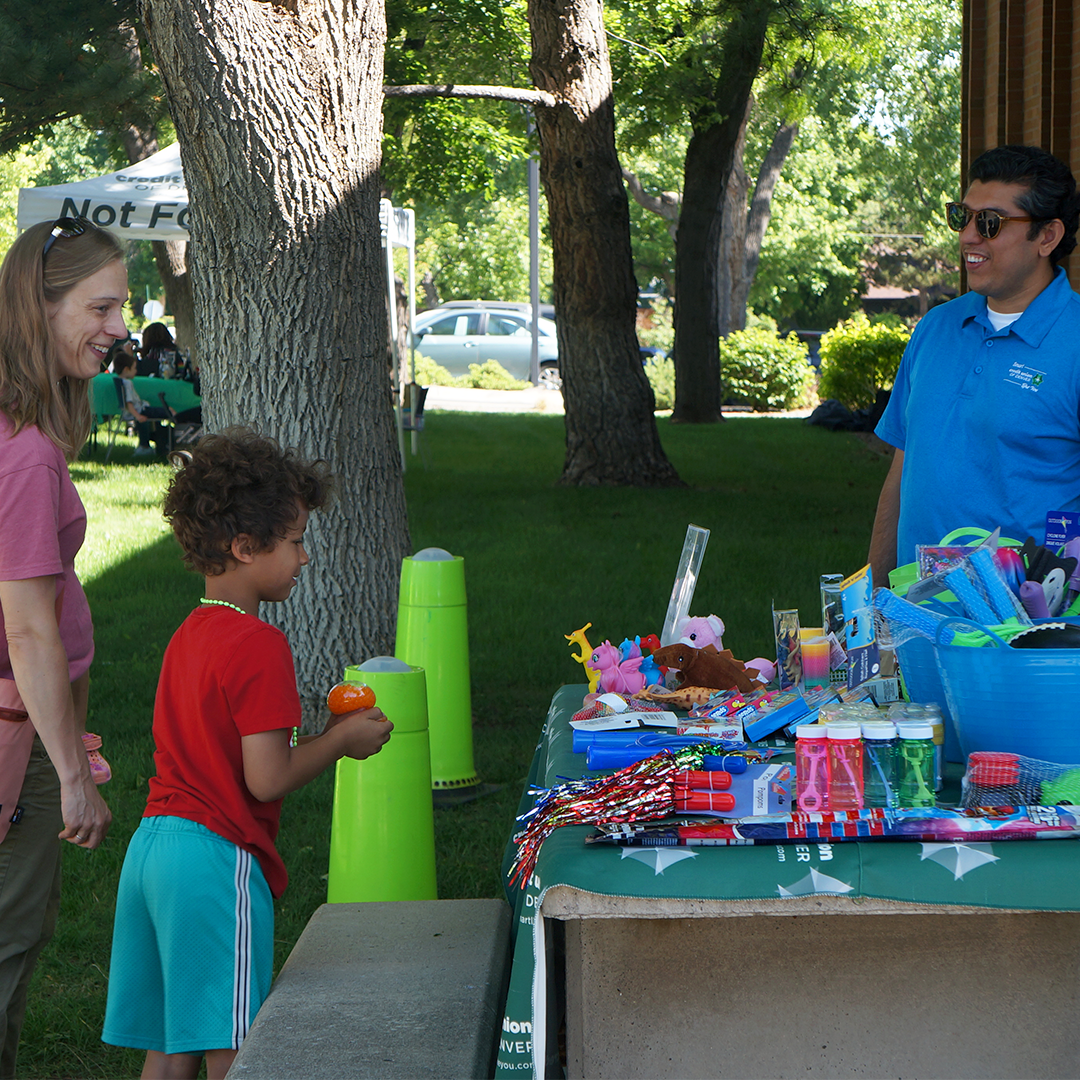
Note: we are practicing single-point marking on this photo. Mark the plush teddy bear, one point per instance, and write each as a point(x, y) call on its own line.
point(700, 631)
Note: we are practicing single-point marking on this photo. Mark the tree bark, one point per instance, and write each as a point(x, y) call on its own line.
point(279, 118)
point(611, 435)
point(758, 217)
point(170, 256)
point(732, 256)
point(139, 137)
point(709, 159)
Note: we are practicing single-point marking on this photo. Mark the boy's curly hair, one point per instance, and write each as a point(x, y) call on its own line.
point(238, 482)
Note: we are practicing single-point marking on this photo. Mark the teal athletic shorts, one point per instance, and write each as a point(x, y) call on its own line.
point(193, 941)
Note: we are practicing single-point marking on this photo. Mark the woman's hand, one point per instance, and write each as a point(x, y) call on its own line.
point(86, 817)
point(56, 706)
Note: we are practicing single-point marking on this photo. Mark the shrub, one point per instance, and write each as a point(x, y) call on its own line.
point(765, 371)
point(661, 375)
point(858, 358)
point(428, 373)
point(490, 375)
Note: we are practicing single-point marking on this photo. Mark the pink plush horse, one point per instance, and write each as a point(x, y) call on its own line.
point(616, 675)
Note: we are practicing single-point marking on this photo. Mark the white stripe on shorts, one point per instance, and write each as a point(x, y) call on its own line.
point(242, 949)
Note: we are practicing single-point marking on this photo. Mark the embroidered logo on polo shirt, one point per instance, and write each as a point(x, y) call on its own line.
point(1027, 378)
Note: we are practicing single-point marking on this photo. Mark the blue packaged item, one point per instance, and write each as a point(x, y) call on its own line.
point(599, 756)
point(786, 710)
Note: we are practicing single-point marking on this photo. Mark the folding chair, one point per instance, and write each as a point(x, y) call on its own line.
point(116, 422)
point(107, 402)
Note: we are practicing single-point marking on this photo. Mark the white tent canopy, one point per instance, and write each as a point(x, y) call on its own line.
point(145, 201)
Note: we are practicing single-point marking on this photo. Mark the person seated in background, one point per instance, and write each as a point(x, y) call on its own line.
point(158, 349)
point(141, 412)
point(121, 347)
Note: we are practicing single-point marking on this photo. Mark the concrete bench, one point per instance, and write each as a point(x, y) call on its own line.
point(386, 990)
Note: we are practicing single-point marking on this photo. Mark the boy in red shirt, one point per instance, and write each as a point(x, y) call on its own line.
point(193, 938)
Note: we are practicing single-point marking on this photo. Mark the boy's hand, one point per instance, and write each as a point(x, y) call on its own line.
point(336, 718)
point(364, 732)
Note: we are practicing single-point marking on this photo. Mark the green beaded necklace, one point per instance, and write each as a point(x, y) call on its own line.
point(223, 603)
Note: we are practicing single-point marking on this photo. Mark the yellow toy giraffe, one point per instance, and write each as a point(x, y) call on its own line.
point(578, 638)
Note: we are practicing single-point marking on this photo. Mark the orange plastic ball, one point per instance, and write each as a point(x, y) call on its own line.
point(347, 697)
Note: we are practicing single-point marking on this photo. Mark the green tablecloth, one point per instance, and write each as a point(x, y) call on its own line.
point(1034, 875)
point(179, 393)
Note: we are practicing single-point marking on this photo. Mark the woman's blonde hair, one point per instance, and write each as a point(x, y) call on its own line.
point(30, 394)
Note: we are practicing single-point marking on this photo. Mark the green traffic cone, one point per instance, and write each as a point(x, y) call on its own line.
point(433, 633)
point(382, 839)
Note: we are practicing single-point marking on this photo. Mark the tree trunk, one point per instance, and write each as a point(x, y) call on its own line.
point(757, 220)
point(709, 158)
point(279, 117)
point(733, 235)
point(611, 435)
point(139, 137)
point(171, 259)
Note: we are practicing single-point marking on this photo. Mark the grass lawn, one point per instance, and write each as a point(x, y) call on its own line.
point(784, 503)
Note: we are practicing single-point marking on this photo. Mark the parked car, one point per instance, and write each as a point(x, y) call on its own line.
point(464, 332)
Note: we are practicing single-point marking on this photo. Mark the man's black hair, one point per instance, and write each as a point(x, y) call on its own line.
point(1051, 188)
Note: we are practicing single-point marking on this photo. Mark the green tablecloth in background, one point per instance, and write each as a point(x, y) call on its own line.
point(1033, 875)
point(179, 393)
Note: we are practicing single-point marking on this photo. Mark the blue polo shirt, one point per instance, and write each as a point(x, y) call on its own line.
point(989, 421)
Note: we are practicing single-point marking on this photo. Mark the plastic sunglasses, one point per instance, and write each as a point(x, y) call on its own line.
point(987, 222)
point(65, 227)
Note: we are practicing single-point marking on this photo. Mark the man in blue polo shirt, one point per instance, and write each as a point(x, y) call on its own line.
point(985, 410)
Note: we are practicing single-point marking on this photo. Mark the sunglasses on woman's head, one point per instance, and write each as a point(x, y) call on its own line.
point(66, 227)
point(987, 222)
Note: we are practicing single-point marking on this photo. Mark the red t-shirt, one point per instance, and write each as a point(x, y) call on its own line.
point(225, 675)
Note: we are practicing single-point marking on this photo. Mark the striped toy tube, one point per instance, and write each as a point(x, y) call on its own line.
point(906, 614)
point(998, 594)
point(976, 608)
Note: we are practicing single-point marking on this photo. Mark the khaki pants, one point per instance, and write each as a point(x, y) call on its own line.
point(29, 896)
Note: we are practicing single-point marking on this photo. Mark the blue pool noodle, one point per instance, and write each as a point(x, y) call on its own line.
point(903, 612)
point(977, 609)
point(997, 592)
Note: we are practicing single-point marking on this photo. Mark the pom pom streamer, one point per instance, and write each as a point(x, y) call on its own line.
point(645, 790)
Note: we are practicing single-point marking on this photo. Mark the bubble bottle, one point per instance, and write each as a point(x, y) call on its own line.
point(845, 767)
point(879, 763)
point(915, 764)
point(811, 768)
point(932, 712)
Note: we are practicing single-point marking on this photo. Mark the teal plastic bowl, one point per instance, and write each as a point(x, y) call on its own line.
point(1019, 701)
point(922, 684)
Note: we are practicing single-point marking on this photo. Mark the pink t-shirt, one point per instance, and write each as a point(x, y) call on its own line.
point(42, 526)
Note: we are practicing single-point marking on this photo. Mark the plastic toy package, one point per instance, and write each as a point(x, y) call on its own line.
point(930, 825)
point(1001, 779)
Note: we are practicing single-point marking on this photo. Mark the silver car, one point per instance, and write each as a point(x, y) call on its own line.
point(462, 332)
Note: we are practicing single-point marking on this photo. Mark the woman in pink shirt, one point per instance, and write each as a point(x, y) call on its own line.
point(62, 288)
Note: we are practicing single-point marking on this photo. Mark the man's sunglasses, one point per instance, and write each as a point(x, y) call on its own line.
point(66, 227)
point(987, 222)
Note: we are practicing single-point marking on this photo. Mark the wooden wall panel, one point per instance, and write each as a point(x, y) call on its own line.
point(1021, 76)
